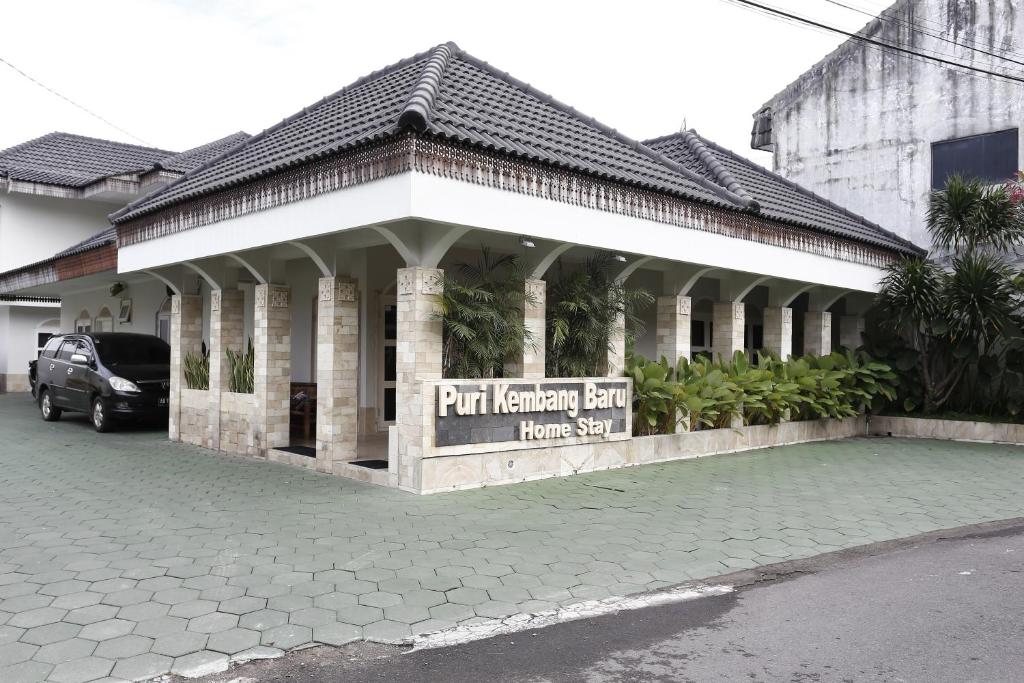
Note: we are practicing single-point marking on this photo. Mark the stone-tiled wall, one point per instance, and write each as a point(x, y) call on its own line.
point(486, 469)
point(850, 329)
point(273, 368)
point(186, 337)
point(950, 430)
point(531, 365)
point(778, 330)
point(238, 423)
point(194, 416)
point(818, 333)
point(337, 369)
point(227, 324)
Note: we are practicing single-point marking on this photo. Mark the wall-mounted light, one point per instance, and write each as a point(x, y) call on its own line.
point(620, 258)
point(526, 242)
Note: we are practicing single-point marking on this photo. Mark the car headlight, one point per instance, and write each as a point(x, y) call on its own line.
point(121, 384)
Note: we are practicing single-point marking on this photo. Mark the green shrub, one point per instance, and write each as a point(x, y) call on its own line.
point(196, 367)
point(242, 370)
point(706, 394)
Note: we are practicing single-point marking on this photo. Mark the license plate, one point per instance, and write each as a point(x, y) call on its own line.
point(162, 402)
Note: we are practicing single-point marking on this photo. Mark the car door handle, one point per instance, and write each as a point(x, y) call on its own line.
point(51, 367)
point(70, 370)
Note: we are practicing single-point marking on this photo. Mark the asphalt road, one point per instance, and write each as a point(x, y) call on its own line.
point(930, 609)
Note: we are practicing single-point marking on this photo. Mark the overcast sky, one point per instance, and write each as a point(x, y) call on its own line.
point(179, 73)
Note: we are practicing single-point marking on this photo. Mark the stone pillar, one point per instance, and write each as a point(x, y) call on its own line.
point(531, 364)
point(337, 372)
point(728, 319)
point(818, 333)
point(673, 331)
point(778, 330)
point(419, 349)
point(227, 325)
point(850, 329)
point(186, 337)
point(273, 367)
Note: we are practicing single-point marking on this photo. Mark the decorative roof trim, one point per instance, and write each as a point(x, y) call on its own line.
point(704, 155)
point(470, 164)
point(420, 106)
point(98, 259)
point(110, 184)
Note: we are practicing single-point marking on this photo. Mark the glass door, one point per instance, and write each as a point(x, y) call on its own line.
point(387, 396)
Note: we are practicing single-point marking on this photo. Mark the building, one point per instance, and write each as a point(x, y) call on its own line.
point(877, 130)
point(323, 240)
point(55, 194)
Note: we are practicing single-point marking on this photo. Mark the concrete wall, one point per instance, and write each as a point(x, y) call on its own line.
point(146, 297)
point(858, 127)
point(19, 326)
point(34, 228)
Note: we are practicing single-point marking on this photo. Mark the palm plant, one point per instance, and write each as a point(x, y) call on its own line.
point(481, 310)
point(241, 370)
point(586, 307)
point(196, 367)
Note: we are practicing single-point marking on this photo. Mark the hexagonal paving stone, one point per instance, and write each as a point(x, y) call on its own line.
point(179, 644)
point(406, 614)
point(12, 653)
point(289, 603)
point(143, 611)
point(467, 596)
point(105, 630)
point(25, 672)
point(65, 650)
point(212, 623)
point(359, 615)
point(132, 596)
point(379, 599)
point(173, 596)
point(263, 619)
point(242, 605)
point(233, 640)
point(494, 609)
point(161, 626)
point(337, 634)
point(452, 612)
point(142, 667)
point(9, 634)
point(335, 600)
point(37, 617)
point(312, 616)
point(81, 670)
point(391, 632)
point(201, 663)
point(287, 636)
point(73, 601)
point(123, 647)
point(192, 609)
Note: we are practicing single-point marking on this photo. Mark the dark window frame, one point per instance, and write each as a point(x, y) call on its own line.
point(945, 165)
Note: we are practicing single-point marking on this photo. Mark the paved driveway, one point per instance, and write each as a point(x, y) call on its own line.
point(124, 555)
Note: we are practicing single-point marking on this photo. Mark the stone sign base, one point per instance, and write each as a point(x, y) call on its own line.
point(448, 473)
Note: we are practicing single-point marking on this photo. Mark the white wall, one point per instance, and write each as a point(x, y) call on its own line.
point(34, 228)
point(146, 300)
point(858, 127)
point(19, 326)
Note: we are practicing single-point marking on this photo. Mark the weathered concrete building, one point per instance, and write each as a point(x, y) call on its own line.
point(875, 130)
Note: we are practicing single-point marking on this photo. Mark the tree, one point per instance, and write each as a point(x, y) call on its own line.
point(482, 315)
point(585, 306)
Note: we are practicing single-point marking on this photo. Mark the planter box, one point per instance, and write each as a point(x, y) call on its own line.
point(948, 430)
point(195, 411)
point(238, 423)
point(447, 473)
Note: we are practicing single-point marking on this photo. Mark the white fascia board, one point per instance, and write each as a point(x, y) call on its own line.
point(452, 201)
point(30, 304)
point(380, 201)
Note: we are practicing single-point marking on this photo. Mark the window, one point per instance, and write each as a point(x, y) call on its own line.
point(697, 333)
point(66, 349)
point(50, 350)
point(163, 321)
point(104, 321)
point(116, 350)
point(991, 157)
point(84, 323)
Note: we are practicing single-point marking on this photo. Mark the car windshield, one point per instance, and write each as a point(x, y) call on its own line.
point(133, 351)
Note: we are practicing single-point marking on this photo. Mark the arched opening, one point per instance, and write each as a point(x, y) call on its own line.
point(83, 323)
point(44, 331)
point(104, 321)
point(163, 320)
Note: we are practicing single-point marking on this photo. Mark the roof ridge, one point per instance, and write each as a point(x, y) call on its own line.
point(706, 156)
point(420, 106)
point(191, 150)
point(267, 131)
point(725, 194)
point(803, 190)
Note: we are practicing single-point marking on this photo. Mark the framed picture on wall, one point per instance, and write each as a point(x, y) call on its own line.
point(125, 314)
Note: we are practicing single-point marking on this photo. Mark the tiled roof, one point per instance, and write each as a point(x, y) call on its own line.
point(778, 198)
point(192, 159)
point(74, 160)
point(107, 236)
point(446, 93)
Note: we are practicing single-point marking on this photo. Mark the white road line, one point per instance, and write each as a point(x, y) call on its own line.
point(581, 610)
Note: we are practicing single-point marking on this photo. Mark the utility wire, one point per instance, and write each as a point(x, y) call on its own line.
point(749, 4)
point(914, 27)
point(73, 103)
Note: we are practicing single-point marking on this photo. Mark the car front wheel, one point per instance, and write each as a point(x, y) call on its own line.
point(50, 412)
point(99, 415)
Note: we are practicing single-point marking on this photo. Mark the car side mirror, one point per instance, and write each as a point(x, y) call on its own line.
point(79, 359)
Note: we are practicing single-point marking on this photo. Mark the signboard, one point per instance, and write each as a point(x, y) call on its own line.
point(496, 411)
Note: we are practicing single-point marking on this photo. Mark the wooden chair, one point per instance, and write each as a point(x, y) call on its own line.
point(303, 410)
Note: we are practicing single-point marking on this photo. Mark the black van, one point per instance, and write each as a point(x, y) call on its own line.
point(109, 375)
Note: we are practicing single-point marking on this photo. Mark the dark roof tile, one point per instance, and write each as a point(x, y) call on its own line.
point(74, 160)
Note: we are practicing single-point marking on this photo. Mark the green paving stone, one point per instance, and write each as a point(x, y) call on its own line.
point(65, 650)
point(12, 653)
point(451, 612)
point(143, 611)
point(263, 619)
point(142, 667)
point(25, 672)
point(380, 599)
point(50, 633)
point(73, 601)
point(200, 664)
point(392, 632)
point(81, 670)
point(160, 626)
point(37, 617)
point(287, 636)
point(406, 614)
point(91, 614)
point(193, 608)
point(337, 634)
point(213, 623)
point(179, 644)
point(334, 601)
point(233, 640)
point(123, 647)
point(105, 630)
point(359, 615)
point(9, 634)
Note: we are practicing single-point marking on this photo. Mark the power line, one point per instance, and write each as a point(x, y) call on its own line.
point(871, 41)
point(914, 27)
point(73, 103)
